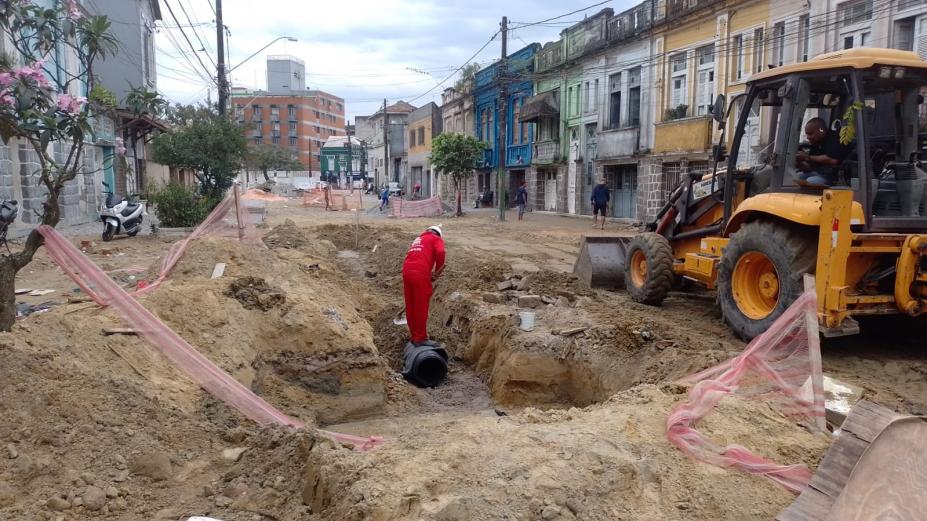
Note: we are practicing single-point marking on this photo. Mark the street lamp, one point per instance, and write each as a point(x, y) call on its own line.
point(275, 40)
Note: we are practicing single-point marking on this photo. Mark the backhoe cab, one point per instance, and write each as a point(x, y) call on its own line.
point(754, 229)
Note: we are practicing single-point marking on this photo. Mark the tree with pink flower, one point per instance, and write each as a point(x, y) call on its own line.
point(43, 102)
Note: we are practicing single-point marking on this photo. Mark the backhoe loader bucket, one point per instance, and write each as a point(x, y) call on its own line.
point(601, 261)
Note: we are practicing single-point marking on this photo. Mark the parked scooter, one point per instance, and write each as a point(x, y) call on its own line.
point(121, 216)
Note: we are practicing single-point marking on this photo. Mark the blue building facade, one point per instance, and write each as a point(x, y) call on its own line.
point(519, 136)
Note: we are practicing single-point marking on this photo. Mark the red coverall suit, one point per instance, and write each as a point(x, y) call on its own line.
point(425, 254)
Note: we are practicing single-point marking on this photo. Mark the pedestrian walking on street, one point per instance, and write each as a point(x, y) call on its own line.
point(521, 199)
point(600, 198)
point(423, 265)
point(327, 192)
point(384, 198)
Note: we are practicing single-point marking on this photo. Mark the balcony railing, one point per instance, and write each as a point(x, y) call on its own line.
point(518, 155)
point(621, 142)
point(683, 135)
point(546, 152)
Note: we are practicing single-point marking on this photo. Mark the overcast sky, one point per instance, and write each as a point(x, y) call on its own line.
point(360, 50)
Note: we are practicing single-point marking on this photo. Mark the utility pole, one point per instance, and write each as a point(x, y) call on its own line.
point(220, 50)
point(501, 178)
point(385, 144)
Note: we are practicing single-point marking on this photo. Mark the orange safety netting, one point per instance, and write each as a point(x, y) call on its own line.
point(228, 218)
point(781, 367)
point(261, 195)
point(338, 199)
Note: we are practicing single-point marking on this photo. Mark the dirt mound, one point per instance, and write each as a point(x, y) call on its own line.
point(609, 461)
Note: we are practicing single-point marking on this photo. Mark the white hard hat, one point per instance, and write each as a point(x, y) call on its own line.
point(437, 229)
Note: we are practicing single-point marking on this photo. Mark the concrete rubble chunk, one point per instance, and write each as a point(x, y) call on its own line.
point(504, 285)
point(234, 454)
point(530, 301)
point(494, 298)
point(154, 465)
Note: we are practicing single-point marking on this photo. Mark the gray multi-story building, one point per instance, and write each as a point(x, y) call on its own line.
point(285, 75)
point(132, 66)
point(370, 131)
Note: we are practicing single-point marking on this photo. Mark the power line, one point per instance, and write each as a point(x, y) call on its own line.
point(195, 32)
point(185, 37)
point(529, 24)
point(449, 76)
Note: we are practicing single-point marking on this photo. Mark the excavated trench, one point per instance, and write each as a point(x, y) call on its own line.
point(571, 358)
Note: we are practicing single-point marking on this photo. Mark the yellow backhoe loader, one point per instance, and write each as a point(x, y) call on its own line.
point(754, 229)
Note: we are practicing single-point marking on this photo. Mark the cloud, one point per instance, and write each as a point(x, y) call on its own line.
point(359, 50)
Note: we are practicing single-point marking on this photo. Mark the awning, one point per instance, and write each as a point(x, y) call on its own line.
point(543, 105)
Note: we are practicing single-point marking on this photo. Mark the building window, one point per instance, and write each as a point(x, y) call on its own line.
point(804, 37)
point(149, 56)
point(706, 79)
point(274, 113)
point(614, 100)
point(595, 95)
point(292, 130)
point(293, 141)
point(737, 70)
point(778, 47)
point(276, 140)
point(485, 122)
point(421, 136)
point(240, 113)
point(851, 13)
point(291, 111)
point(256, 113)
point(258, 141)
point(758, 50)
point(634, 97)
point(678, 80)
point(412, 138)
point(275, 131)
point(256, 132)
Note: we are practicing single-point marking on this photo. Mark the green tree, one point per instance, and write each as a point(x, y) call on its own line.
point(210, 145)
point(38, 107)
point(265, 158)
point(456, 155)
point(464, 83)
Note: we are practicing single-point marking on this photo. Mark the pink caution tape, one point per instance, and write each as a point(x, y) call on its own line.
point(781, 367)
point(430, 207)
point(106, 292)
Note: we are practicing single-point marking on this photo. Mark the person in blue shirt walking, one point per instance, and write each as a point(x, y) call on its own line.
point(600, 198)
point(521, 199)
point(384, 198)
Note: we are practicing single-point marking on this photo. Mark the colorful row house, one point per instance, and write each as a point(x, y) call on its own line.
point(626, 97)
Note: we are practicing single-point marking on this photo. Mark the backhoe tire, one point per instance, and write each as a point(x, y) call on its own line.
point(648, 269)
point(761, 274)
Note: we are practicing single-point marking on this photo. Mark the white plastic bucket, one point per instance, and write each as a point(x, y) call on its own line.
point(527, 320)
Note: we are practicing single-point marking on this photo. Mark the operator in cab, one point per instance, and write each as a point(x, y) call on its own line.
point(820, 163)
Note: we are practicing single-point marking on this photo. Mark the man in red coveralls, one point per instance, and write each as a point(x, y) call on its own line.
point(424, 263)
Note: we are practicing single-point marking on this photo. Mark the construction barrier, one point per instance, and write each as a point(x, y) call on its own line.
point(430, 207)
point(339, 200)
point(224, 220)
point(782, 368)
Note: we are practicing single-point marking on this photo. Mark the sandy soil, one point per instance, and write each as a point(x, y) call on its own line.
point(529, 425)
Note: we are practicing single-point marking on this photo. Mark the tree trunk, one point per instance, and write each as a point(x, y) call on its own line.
point(266, 177)
point(459, 209)
point(7, 294)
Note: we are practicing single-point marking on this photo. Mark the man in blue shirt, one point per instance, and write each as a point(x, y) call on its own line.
point(384, 198)
point(600, 198)
point(521, 199)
